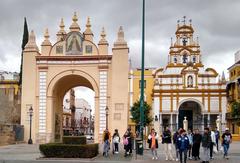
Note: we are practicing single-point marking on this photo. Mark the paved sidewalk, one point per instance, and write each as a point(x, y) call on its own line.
point(30, 153)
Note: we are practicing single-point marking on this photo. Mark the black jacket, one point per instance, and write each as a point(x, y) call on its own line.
point(206, 140)
point(197, 138)
point(166, 137)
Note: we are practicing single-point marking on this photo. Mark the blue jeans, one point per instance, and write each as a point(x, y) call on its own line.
point(225, 148)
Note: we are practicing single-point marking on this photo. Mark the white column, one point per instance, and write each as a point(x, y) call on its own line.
point(102, 100)
point(42, 106)
point(160, 121)
point(156, 106)
point(208, 120)
point(177, 121)
point(171, 122)
point(202, 122)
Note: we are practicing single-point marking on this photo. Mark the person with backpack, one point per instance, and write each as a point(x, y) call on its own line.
point(226, 141)
point(206, 143)
point(127, 142)
point(183, 146)
point(167, 142)
point(106, 142)
point(153, 143)
point(175, 137)
point(116, 141)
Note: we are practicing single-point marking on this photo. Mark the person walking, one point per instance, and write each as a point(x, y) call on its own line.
point(197, 138)
point(175, 138)
point(213, 143)
point(206, 142)
point(106, 142)
point(167, 142)
point(226, 141)
point(183, 146)
point(217, 135)
point(116, 141)
point(190, 138)
point(127, 141)
point(153, 143)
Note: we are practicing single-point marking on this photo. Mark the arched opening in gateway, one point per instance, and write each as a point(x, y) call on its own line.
point(192, 111)
point(72, 119)
point(79, 112)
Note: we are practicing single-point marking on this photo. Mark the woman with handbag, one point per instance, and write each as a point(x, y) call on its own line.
point(153, 143)
point(116, 141)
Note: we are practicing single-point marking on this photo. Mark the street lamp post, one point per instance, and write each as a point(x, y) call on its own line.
point(106, 109)
point(30, 134)
point(142, 72)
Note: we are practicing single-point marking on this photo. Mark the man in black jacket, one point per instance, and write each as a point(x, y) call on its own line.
point(197, 138)
point(206, 142)
point(167, 142)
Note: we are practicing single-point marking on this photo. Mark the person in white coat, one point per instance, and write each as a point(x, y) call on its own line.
point(213, 143)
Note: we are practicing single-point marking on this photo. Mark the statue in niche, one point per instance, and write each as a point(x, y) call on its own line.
point(74, 44)
point(185, 58)
point(190, 81)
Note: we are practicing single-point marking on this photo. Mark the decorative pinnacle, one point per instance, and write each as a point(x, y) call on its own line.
point(88, 25)
point(62, 24)
point(184, 19)
point(46, 34)
point(171, 41)
point(190, 21)
point(75, 18)
point(74, 26)
point(103, 33)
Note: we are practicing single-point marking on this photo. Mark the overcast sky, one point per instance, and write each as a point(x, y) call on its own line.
point(216, 23)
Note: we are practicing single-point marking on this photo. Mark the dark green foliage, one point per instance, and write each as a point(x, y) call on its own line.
point(135, 111)
point(24, 42)
point(68, 150)
point(74, 140)
point(235, 110)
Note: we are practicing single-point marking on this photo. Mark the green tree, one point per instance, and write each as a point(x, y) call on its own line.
point(24, 42)
point(135, 112)
point(235, 109)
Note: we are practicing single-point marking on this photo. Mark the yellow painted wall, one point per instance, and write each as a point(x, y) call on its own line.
point(234, 74)
point(137, 91)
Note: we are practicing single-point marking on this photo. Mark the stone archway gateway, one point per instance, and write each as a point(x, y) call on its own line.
point(74, 60)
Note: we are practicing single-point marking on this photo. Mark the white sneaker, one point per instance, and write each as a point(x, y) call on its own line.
point(166, 159)
point(153, 158)
point(176, 159)
point(156, 158)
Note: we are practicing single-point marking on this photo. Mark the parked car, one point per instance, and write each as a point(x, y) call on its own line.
point(89, 136)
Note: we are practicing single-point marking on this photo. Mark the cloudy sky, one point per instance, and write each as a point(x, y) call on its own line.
point(216, 23)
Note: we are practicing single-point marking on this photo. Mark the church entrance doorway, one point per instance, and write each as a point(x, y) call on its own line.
point(192, 111)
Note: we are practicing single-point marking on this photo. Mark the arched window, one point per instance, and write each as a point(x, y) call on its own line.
point(190, 81)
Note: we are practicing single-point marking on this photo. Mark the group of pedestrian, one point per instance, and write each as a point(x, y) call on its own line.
point(187, 143)
point(127, 142)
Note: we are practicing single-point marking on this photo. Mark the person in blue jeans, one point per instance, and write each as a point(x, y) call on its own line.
point(226, 141)
point(183, 146)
